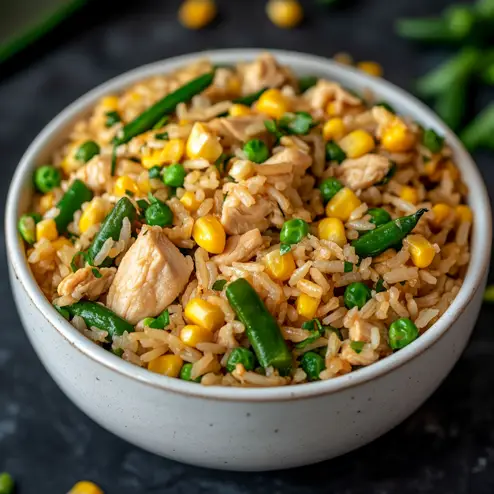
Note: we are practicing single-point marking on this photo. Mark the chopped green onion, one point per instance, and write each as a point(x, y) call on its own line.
point(219, 285)
point(357, 346)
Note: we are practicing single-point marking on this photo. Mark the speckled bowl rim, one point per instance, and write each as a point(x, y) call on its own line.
point(304, 64)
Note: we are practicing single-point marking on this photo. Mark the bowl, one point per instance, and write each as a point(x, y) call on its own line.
point(246, 428)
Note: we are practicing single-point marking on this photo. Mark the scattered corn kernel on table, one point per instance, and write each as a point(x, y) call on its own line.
point(48, 445)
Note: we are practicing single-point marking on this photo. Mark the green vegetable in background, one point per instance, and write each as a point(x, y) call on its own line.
point(46, 178)
point(6, 483)
point(256, 150)
point(489, 294)
point(480, 131)
point(77, 194)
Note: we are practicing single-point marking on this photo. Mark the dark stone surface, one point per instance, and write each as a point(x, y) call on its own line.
point(48, 444)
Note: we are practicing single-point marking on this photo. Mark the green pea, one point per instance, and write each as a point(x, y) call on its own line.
point(256, 150)
point(293, 231)
point(6, 483)
point(312, 364)
point(329, 188)
point(186, 371)
point(401, 333)
point(432, 141)
point(154, 172)
point(379, 216)
point(159, 214)
point(174, 175)
point(46, 178)
point(307, 82)
point(86, 151)
point(334, 152)
point(242, 356)
point(356, 295)
point(27, 226)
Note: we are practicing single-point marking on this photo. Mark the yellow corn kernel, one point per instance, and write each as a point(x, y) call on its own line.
point(332, 229)
point(307, 306)
point(144, 183)
point(85, 487)
point(284, 13)
point(203, 144)
point(183, 122)
point(342, 204)
point(93, 214)
point(371, 68)
point(209, 234)
point(46, 202)
point(331, 109)
point(191, 335)
point(441, 212)
point(152, 159)
point(409, 194)
point(46, 229)
point(69, 164)
point(196, 14)
point(357, 143)
point(189, 201)
point(278, 266)
point(238, 110)
point(172, 151)
point(167, 365)
point(273, 103)
point(204, 314)
point(61, 242)
point(124, 184)
point(134, 96)
point(110, 103)
point(396, 138)
point(334, 129)
point(421, 250)
point(463, 213)
point(241, 170)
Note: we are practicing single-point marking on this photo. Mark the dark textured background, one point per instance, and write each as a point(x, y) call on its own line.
point(47, 444)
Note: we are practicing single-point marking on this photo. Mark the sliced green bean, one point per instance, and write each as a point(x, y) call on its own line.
point(249, 99)
point(77, 194)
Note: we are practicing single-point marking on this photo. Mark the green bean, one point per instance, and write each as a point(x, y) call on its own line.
point(27, 226)
point(46, 178)
point(101, 317)
point(77, 194)
point(451, 105)
point(307, 82)
point(250, 98)
point(218, 285)
point(261, 327)
point(112, 225)
point(386, 236)
point(112, 118)
point(386, 106)
point(312, 364)
point(86, 151)
point(427, 30)
point(379, 216)
point(242, 356)
point(479, 132)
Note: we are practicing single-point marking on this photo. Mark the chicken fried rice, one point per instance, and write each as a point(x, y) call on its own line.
point(241, 226)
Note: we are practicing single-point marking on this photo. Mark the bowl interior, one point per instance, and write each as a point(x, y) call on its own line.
point(303, 64)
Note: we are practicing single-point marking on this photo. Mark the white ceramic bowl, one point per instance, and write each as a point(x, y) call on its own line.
point(246, 429)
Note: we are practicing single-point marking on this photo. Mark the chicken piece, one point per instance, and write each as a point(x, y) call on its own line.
point(286, 161)
point(324, 92)
point(150, 277)
point(366, 357)
point(96, 173)
point(84, 284)
point(361, 173)
point(237, 218)
point(262, 73)
point(240, 248)
point(383, 118)
point(243, 128)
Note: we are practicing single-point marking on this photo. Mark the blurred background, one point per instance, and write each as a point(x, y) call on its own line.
point(53, 51)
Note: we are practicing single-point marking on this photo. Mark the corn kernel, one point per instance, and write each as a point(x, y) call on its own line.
point(441, 212)
point(196, 14)
point(463, 213)
point(334, 129)
point(191, 335)
point(46, 202)
point(110, 103)
point(144, 183)
point(421, 250)
point(135, 97)
point(94, 213)
point(189, 201)
point(342, 204)
point(284, 13)
point(204, 314)
point(241, 170)
point(85, 487)
point(69, 164)
point(124, 184)
point(273, 103)
point(278, 266)
point(409, 194)
point(203, 144)
point(238, 110)
point(172, 151)
point(46, 229)
point(183, 122)
point(167, 365)
point(371, 68)
point(209, 234)
point(307, 306)
point(61, 242)
point(357, 143)
point(331, 109)
point(332, 229)
point(152, 159)
point(396, 138)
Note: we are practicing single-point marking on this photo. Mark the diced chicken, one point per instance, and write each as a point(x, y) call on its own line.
point(324, 92)
point(263, 72)
point(150, 277)
point(367, 355)
point(243, 128)
point(240, 248)
point(287, 160)
point(238, 218)
point(363, 172)
point(383, 118)
point(84, 284)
